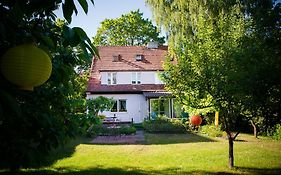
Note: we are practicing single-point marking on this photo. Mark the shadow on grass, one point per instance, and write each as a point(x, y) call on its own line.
point(259, 171)
point(61, 152)
point(133, 171)
point(156, 139)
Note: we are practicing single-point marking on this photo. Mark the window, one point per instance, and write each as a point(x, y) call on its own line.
point(119, 106)
point(114, 107)
point(159, 107)
point(111, 78)
point(136, 78)
point(122, 106)
point(139, 57)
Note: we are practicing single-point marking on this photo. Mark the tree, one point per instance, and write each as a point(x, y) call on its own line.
point(130, 29)
point(33, 123)
point(212, 41)
point(262, 48)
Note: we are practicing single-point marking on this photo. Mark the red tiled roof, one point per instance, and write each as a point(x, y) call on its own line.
point(153, 60)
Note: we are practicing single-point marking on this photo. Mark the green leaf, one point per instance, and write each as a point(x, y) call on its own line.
point(80, 32)
point(92, 1)
point(11, 102)
point(70, 36)
point(84, 5)
point(47, 41)
point(83, 36)
point(68, 7)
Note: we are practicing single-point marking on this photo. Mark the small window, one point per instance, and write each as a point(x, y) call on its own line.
point(139, 57)
point(119, 106)
point(114, 107)
point(111, 78)
point(116, 58)
point(136, 78)
point(122, 106)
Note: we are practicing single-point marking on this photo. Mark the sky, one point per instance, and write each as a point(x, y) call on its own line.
point(104, 9)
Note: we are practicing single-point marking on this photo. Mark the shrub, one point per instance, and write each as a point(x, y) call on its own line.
point(164, 124)
point(277, 132)
point(138, 125)
point(211, 130)
point(111, 131)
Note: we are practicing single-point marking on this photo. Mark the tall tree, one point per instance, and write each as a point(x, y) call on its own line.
point(32, 123)
point(129, 29)
point(262, 59)
point(210, 40)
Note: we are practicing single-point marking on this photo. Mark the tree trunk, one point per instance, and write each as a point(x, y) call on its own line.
point(230, 148)
point(255, 129)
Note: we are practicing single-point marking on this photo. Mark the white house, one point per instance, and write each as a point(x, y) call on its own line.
point(130, 75)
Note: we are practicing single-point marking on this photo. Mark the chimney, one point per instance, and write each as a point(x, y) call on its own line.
point(152, 45)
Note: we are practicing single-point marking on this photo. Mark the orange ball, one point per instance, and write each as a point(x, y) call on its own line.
point(196, 120)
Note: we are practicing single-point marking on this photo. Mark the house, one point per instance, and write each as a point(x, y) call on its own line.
point(130, 75)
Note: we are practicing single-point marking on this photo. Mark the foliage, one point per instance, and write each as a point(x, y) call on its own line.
point(129, 29)
point(138, 125)
point(33, 123)
point(84, 113)
point(277, 132)
point(99, 104)
point(164, 124)
point(212, 130)
point(225, 56)
point(105, 130)
point(261, 49)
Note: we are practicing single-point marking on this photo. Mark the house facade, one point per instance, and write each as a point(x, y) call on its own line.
point(130, 75)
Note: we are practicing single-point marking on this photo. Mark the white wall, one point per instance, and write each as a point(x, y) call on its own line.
point(137, 107)
point(147, 77)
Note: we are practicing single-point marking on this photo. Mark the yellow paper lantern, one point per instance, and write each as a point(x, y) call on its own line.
point(26, 66)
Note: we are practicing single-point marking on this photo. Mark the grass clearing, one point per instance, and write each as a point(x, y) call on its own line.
point(165, 154)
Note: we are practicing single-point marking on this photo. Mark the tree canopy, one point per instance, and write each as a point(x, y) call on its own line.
point(129, 29)
point(33, 123)
point(217, 45)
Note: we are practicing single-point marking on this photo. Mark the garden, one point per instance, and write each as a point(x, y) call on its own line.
point(164, 154)
point(228, 62)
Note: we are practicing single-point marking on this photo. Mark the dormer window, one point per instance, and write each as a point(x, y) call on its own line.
point(139, 57)
point(116, 58)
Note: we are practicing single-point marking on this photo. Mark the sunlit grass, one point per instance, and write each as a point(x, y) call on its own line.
point(167, 154)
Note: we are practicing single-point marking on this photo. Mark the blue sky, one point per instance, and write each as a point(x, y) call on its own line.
point(105, 9)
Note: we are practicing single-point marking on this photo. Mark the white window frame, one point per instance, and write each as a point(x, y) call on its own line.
point(136, 78)
point(111, 78)
point(118, 106)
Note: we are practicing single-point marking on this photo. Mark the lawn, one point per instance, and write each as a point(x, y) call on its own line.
point(165, 154)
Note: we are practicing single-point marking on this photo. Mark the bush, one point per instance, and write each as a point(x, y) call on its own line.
point(138, 125)
point(277, 132)
point(211, 130)
point(102, 130)
point(164, 124)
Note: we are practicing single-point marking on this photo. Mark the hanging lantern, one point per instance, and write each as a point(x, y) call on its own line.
point(195, 120)
point(26, 66)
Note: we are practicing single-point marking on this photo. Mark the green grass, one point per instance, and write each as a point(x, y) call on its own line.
point(165, 154)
